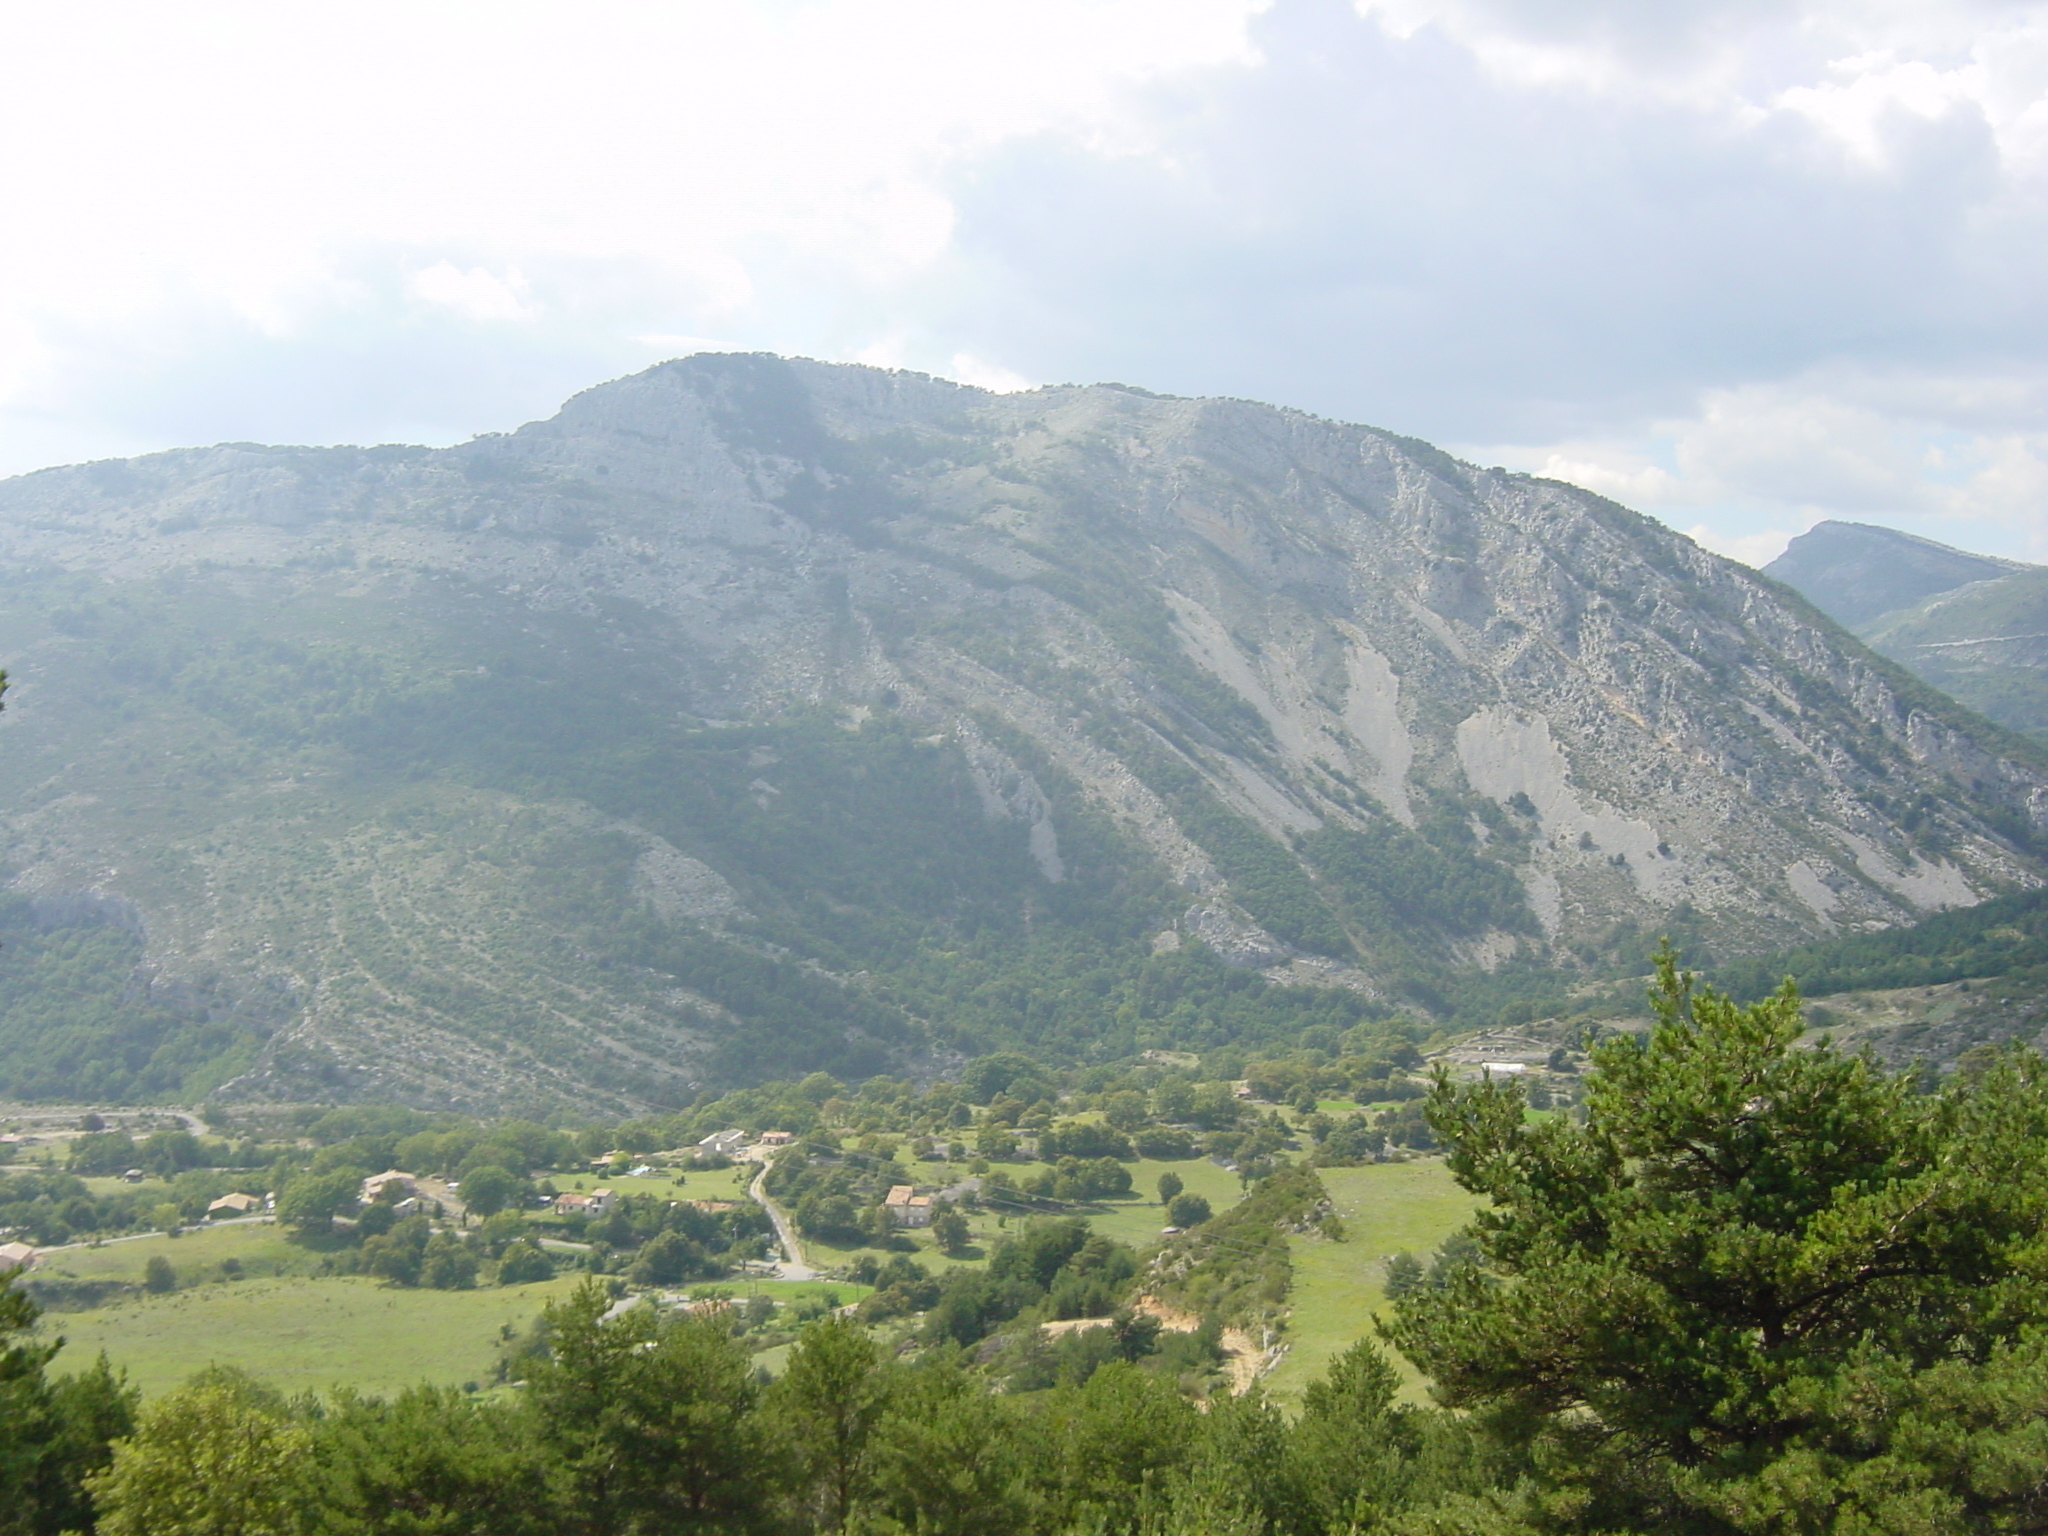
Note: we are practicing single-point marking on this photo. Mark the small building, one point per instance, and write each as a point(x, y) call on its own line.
point(572, 1205)
point(777, 1138)
point(1502, 1068)
point(16, 1256)
point(133, 1176)
point(601, 1201)
point(377, 1183)
point(723, 1143)
point(233, 1205)
point(906, 1207)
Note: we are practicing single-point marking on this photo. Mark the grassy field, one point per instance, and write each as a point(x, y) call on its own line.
point(1387, 1208)
point(196, 1254)
point(299, 1334)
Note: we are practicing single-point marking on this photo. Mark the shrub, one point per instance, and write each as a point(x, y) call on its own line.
point(524, 1263)
point(1187, 1211)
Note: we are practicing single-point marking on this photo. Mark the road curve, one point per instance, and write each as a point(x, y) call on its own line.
point(792, 1266)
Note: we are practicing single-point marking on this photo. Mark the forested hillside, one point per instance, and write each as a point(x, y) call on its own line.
point(753, 717)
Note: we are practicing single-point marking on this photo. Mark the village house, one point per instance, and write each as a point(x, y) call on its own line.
point(723, 1143)
point(572, 1205)
point(233, 1205)
point(777, 1138)
point(906, 1207)
point(377, 1183)
point(16, 1256)
point(602, 1201)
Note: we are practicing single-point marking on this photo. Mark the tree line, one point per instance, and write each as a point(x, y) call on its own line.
point(1756, 1290)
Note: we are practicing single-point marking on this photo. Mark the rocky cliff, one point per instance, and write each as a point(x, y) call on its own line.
point(752, 715)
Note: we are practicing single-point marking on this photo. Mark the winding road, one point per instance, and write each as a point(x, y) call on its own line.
point(792, 1266)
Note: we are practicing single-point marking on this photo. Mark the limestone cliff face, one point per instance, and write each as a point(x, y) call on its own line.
point(1284, 659)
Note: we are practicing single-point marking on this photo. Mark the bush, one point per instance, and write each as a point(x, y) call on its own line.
point(1188, 1211)
point(668, 1259)
point(158, 1276)
point(524, 1263)
point(1082, 1141)
point(489, 1189)
point(449, 1264)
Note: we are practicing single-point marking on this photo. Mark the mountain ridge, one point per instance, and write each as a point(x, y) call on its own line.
point(814, 677)
point(1973, 626)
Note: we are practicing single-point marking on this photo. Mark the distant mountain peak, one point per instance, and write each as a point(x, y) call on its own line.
point(1853, 572)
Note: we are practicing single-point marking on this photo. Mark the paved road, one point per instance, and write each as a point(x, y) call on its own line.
point(792, 1266)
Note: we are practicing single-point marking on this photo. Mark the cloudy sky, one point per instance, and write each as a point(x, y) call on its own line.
point(1744, 264)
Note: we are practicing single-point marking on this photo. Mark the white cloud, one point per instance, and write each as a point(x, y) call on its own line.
point(475, 294)
point(969, 369)
point(1752, 549)
point(239, 172)
point(1743, 263)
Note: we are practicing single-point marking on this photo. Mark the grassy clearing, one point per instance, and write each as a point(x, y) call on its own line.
point(783, 1291)
point(698, 1184)
point(261, 1248)
point(1387, 1208)
point(305, 1335)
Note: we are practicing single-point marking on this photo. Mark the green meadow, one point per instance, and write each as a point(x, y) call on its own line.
point(1386, 1208)
point(304, 1335)
point(260, 1248)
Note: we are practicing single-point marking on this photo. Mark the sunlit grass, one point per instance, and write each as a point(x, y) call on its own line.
point(1386, 1208)
point(304, 1335)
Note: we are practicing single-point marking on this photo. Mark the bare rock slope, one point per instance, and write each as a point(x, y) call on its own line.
point(843, 680)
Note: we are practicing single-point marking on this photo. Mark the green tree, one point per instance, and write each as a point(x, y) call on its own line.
point(311, 1201)
point(1709, 1307)
point(490, 1189)
point(1169, 1185)
point(1187, 1211)
point(1111, 1440)
point(53, 1435)
point(218, 1457)
point(158, 1276)
point(448, 1263)
point(950, 1231)
point(949, 1459)
point(825, 1407)
point(650, 1422)
point(430, 1460)
point(523, 1263)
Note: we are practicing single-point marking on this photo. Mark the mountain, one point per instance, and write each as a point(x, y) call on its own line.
point(1974, 626)
point(754, 716)
point(1857, 572)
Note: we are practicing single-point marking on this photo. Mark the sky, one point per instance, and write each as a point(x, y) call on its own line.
point(1742, 264)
